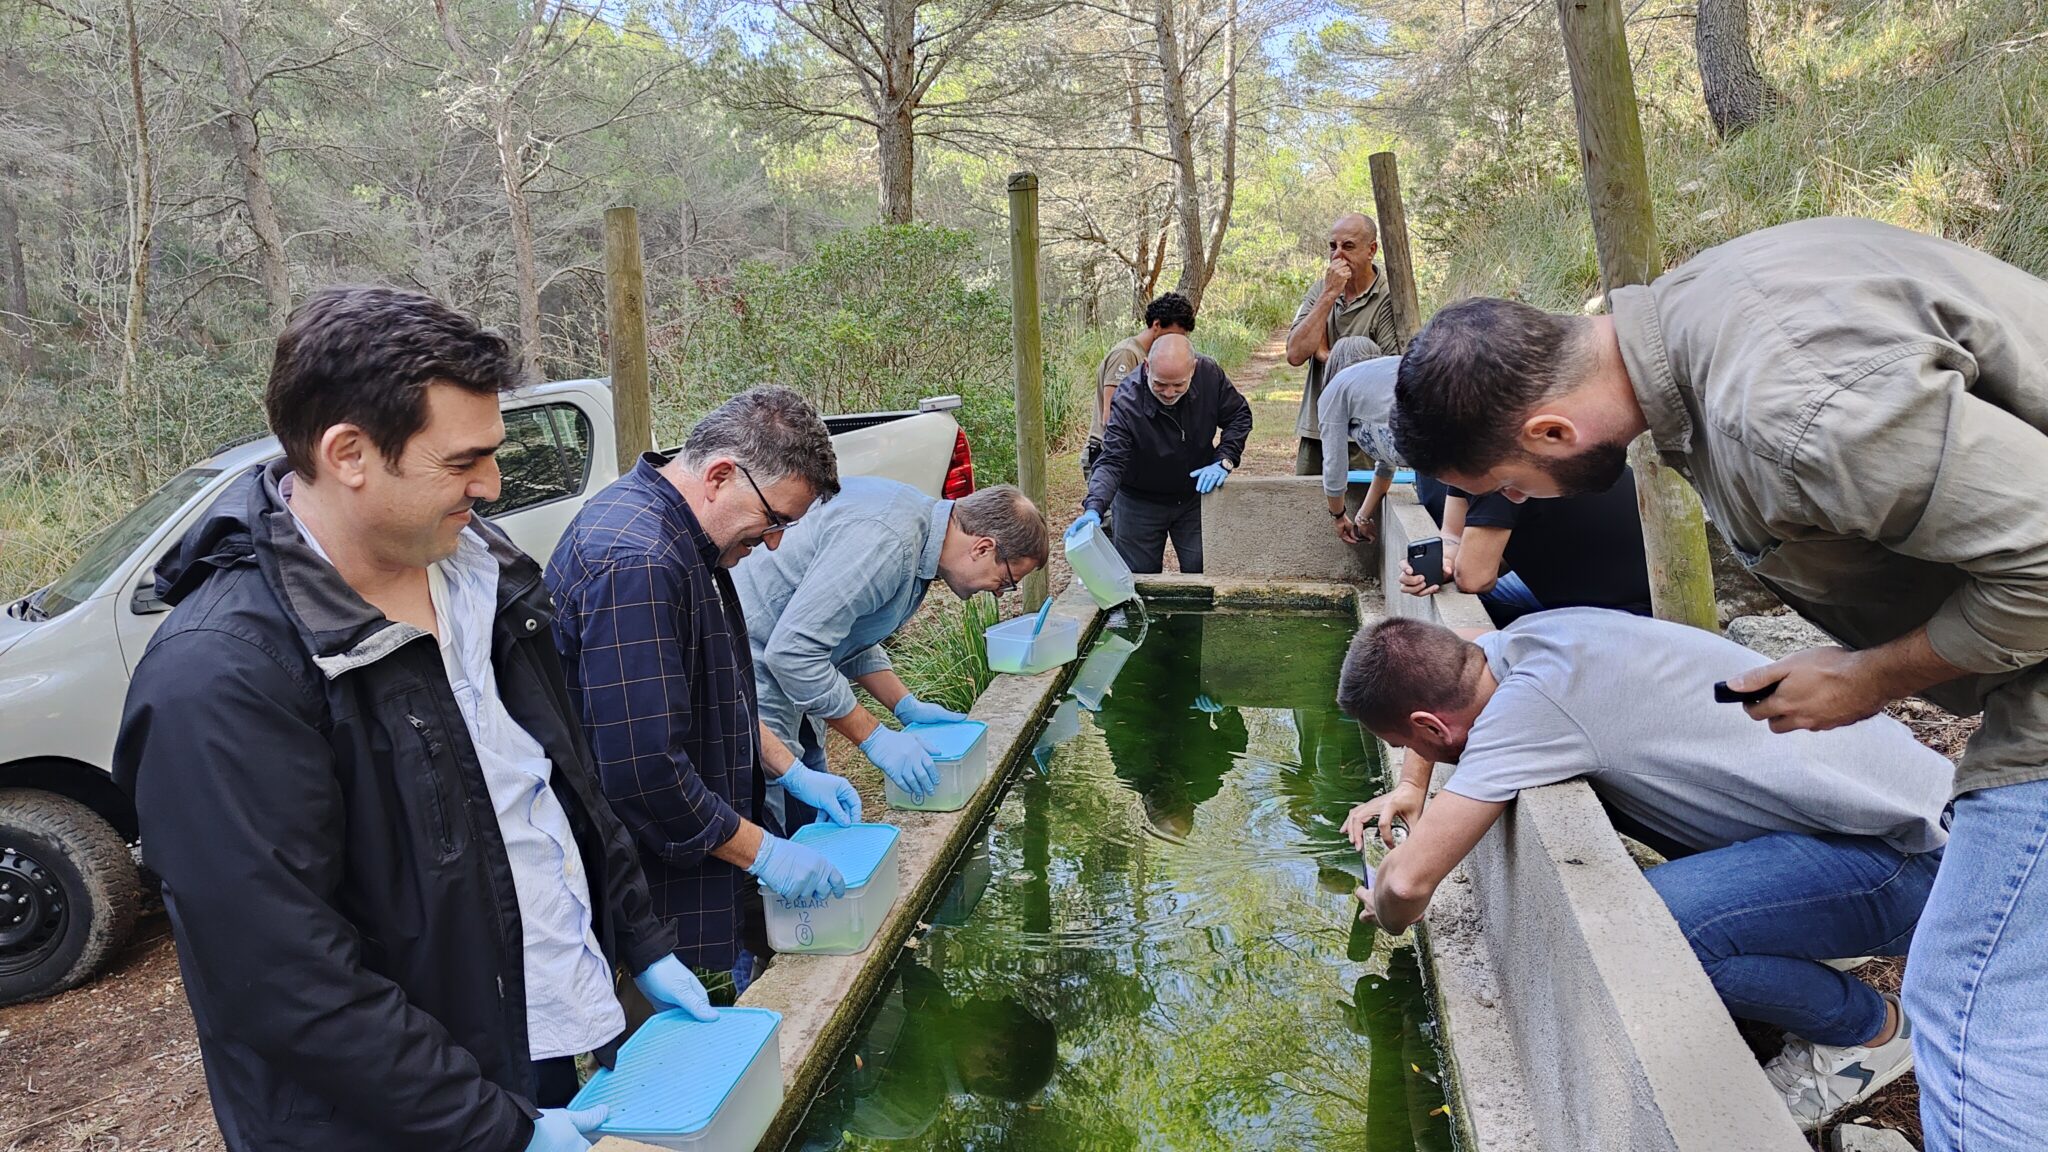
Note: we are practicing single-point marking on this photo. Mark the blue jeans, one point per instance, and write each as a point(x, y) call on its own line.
point(1977, 981)
point(1762, 915)
point(1510, 594)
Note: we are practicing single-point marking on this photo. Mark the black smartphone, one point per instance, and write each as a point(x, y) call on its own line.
point(1726, 695)
point(1426, 559)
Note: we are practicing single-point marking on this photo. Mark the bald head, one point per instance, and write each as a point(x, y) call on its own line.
point(1355, 226)
point(1170, 367)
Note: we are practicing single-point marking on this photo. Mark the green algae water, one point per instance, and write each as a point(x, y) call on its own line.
point(1153, 945)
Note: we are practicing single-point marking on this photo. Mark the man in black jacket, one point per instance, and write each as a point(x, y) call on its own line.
point(1161, 454)
point(397, 893)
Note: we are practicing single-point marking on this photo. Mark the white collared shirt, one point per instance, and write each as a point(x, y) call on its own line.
point(570, 1006)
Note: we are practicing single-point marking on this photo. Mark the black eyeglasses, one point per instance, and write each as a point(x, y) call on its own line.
point(1009, 577)
point(777, 522)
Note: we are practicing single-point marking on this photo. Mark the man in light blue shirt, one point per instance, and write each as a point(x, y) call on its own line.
point(846, 577)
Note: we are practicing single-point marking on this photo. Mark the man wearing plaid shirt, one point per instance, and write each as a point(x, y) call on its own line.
point(656, 654)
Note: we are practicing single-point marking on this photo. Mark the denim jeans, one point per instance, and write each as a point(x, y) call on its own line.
point(1511, 597)
point(1762, 915)
point(1977, 980)
point(1142, 527)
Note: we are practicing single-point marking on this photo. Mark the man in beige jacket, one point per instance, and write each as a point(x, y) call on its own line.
point(1864, 411)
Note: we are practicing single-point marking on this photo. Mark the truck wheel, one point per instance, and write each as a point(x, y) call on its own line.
point(68, 893)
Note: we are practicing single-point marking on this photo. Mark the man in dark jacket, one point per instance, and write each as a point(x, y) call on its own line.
point(397, 894)
point(1162, 453)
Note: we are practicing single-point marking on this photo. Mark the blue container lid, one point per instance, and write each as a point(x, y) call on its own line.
point(951, 741)
point(675, 1073)
point(1364, 476)
point(855, 849)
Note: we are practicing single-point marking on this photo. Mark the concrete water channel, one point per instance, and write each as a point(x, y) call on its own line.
point(1136, 934)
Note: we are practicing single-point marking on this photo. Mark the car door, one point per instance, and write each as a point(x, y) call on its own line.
point(545, 469)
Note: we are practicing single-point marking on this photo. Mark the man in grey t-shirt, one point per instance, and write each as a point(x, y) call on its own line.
point(1785, 850)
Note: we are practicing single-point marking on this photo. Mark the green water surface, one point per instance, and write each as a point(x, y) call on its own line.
point(1153, 945)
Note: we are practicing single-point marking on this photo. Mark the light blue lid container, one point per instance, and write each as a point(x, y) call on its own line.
point(856, 850)
point(1364, 476)
point(685, 1083)
point(960, 760)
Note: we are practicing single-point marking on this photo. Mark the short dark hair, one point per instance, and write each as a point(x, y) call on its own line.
point(1171, 310)
point(1471, 374)
point(364, 356)
point(1399, 666)
point(773, 432)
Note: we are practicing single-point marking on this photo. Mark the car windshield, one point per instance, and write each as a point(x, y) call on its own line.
point(116, 542)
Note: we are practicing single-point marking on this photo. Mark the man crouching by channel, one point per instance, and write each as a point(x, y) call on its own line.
point(397, 892)
point(1786, 851)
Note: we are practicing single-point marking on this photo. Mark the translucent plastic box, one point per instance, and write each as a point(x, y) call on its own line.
point(707, 1086)
point(865, 855)
point(1012, 648)
point(1101, 571)
point(960, 753)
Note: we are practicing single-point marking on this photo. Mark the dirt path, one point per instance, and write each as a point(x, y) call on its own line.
point(1274, 389)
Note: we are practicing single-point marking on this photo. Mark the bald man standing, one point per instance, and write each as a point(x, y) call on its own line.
point(1177, 427)
point(1351, 299)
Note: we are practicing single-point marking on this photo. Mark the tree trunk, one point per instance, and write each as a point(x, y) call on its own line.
point(1737, 94)
point(895, 119)
point(1221, 225)
point(512, 166)
point(14, 316)
point(257, 200)
point(141, 215)
point(1180, 138)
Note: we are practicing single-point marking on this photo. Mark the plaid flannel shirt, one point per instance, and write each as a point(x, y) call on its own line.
point(655, 652)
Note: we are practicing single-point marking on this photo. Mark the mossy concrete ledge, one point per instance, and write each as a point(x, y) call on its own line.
point(1574, 1013)
point(821, 998)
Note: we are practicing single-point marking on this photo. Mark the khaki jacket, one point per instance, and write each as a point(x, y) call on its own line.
point(1864, 411)
point(1120, 362)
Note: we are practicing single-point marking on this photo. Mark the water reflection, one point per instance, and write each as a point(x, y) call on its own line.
point(1155, 946)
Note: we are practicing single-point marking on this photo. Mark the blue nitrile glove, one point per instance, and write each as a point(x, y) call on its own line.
point(1211, 478)
point(904, 759)
point(1204, 704)
point(1091, 516)
point(833, 796)
point(911, 710)
point(669, 983)
point(795, 872)
point(565, 1129)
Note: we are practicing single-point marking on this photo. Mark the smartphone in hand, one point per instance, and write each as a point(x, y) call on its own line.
point(1725, 695)
point(1426, 559)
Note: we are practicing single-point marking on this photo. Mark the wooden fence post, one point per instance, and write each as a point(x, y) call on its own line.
point(1625, 232)
point(625, 307)
point(1386, 194)
point(1027, 358)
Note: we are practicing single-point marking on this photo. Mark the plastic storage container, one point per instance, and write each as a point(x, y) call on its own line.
point(1099, 670)
point(1012, 648)
point(865, 855)
point(960, 753)
point(1364, 476)
point(1101, 571)
point(686, 1083)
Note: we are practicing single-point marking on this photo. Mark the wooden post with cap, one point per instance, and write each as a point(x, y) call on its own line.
point(1625, 233)
point(1027, 357)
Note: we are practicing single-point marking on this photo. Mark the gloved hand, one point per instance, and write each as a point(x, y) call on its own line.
point(566, 1130)
point(1211, 478)
point(1091, 516)
point(904, 759)
point(669, 983)
point(795, 872)
point(833, 796)
point(911, 710)
point(1204, 704)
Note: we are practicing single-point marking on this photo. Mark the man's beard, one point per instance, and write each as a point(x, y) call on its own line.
point(1593, 471)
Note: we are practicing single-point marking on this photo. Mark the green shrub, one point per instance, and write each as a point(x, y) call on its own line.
point(941, 655)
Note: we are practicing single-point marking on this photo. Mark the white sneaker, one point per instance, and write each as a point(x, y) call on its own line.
point(1848, 963)
point(1817, 1081)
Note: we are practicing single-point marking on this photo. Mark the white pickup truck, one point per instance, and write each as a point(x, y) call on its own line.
point(69, 886)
